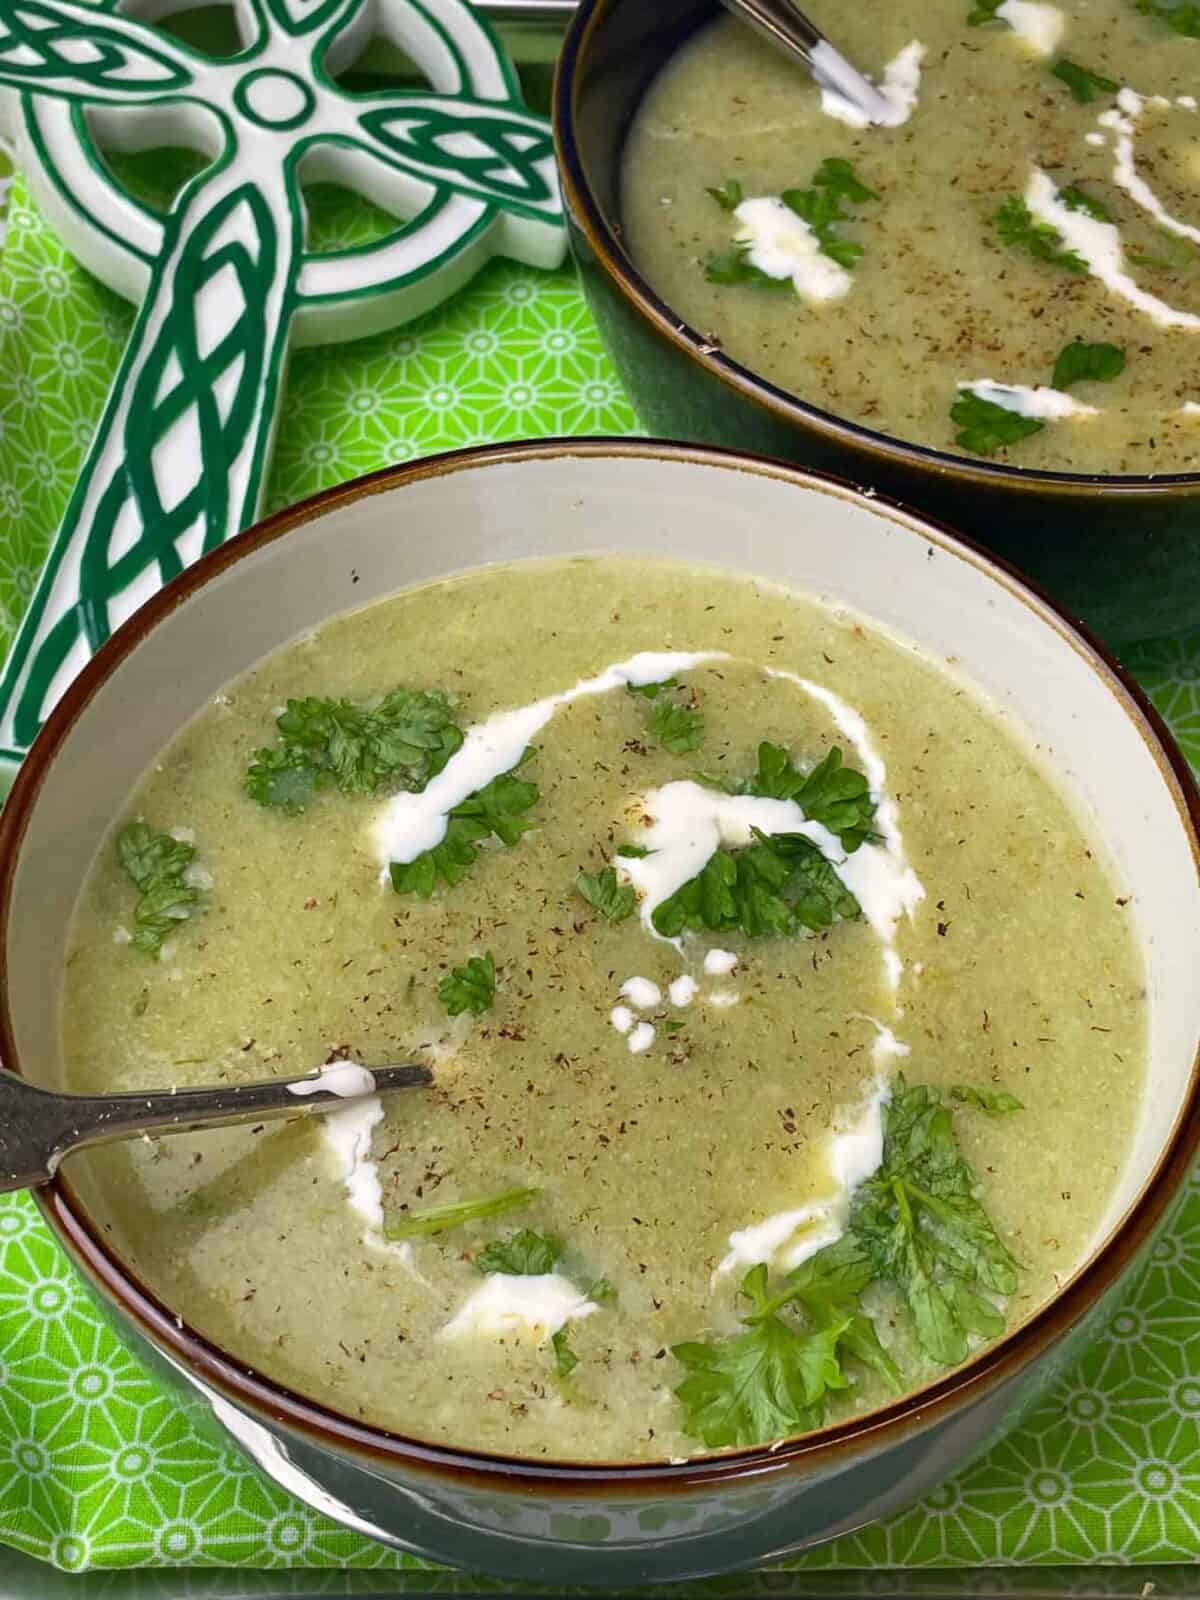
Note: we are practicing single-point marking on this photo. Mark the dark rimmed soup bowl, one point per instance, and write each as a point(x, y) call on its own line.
point(1121, 553)
point(620, 1522)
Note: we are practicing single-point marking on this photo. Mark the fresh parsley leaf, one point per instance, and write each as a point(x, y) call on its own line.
point(828, 1285)
point(763, 1384)
point(994, 1101)
point(837, 797)
point(634, 852)
point(158, 866)
point(730, 195)
point(1083, 83)
point(776, 886)
point(677, 728)
point(734, 266)
point(497, 809)
point(400, 742)
point(602, 1292)
point(984, 11)
point(1178, 253)
point(926, 1233)
point(1077, 199)
point(565, 1359)
point(1015, 224)
point(984, 427)
point(820, 206)
point(437, 1219)
point(1080, 363)
point(611, 899)
point(471, 988)
point(1181, 15)
point(521, 1253)
point(651, 691)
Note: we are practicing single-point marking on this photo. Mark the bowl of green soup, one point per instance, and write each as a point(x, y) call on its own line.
point(800, 918)
point(989, 308)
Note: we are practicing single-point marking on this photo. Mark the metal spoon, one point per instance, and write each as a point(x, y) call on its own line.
point(38, 1128)
point(777, 20)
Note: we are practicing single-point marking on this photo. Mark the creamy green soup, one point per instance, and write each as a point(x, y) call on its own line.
point(1012, 270)
point(860, 992)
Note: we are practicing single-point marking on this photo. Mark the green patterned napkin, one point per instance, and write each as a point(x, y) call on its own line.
point(99, 1467)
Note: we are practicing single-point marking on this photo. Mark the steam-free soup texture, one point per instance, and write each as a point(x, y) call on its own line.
point(1038, 197)
point(863, 971)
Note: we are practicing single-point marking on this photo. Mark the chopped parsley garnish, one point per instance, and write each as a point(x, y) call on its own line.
point(820, 206)
point(1079, 363)
point(498, 809)
point(730, 195)
point(399, 743)
point(158, 865)
point(837, 797)
point(634, 852)
point(1015, 224)
point(734, 266)
point(776, 1377)
point(925, 1232)
point(565, 1359)
point(471, 988)
point(1181, 15)
point(613, 900)
point(776, 886)
point(438, 1219)
point(521, 1253)
point(984, 427)
point(1178, 253)
point(602, 1292)
point(1083, 83)
point(1077, 199)
point(679, 728)
point(984, 11)
point(834, 183)
point(996, 1102)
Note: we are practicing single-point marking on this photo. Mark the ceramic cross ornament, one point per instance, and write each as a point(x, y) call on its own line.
point(223, 278)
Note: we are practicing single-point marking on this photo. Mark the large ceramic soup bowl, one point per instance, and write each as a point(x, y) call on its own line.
point(577, 1504)
point(1117, 545)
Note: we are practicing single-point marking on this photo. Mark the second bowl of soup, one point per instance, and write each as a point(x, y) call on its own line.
point(988, 306)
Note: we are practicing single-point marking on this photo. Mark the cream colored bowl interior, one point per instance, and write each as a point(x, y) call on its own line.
point(809, 535)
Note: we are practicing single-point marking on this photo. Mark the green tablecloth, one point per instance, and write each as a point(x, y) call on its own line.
point(98, 1466)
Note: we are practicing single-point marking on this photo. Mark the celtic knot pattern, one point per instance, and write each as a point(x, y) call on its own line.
point(178, 460)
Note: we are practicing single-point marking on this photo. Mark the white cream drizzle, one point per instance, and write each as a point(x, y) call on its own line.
point(878, 875)
point(410, 824)
point(782, 245)
point(1037, 25)
point(621, 1018)
point(787, 1238)
point(641, 1038)
point(722, 998)
point(684, 989)
point(1050, 405)
point(346, 1135)
point(528, 1304)
point(642, 993)
point(719, 963)
point(346, 1079)
point(1123, 120)
point(1099, 245)
point(900, 86)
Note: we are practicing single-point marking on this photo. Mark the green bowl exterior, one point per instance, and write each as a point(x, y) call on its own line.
point(1122, 555)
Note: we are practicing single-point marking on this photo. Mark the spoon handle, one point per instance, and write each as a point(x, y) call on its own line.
point(38, 1128)
point(791, 31)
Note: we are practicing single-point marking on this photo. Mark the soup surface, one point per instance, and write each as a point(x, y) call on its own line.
point(1040, 197)
point(665, 1082)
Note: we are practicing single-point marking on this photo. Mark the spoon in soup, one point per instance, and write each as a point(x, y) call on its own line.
point(791, 31)
point(38, 1127)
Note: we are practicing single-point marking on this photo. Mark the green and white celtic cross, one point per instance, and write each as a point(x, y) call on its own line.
point(224, 277)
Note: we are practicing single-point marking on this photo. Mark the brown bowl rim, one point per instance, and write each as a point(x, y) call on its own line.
point(585, 212)
point(321, 1425)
